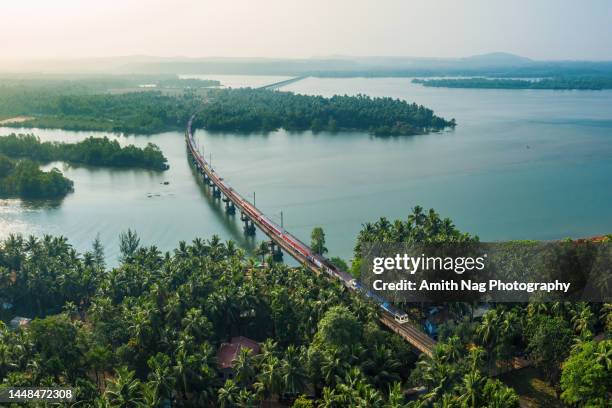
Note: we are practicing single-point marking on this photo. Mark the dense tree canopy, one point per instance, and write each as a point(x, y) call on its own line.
point(24, 179)
point(244, 110)
point(91, 151)
point(263, 110)
point(147, 331)
point(587, 374)
point(588, 83)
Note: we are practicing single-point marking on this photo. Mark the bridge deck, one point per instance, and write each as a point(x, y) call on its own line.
point(276, 85)
point(297, 249)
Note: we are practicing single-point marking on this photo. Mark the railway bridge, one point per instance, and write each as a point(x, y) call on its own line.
point(280, 84)
point(252, 218)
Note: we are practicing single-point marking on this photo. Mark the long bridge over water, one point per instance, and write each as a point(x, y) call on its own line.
point(280, 84)
point(252, 217)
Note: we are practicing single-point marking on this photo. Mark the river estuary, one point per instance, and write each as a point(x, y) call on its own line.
point(521, 164)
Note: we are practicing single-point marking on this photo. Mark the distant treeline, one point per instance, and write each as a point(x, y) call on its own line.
point(263, 110)
point(136, 112)
point(243, 110)
point(90, 84)
point(24, 179)
point(91, 151)
point(186, 83)
point(583, 83)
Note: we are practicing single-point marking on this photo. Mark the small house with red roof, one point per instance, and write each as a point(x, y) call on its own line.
point(228, 352)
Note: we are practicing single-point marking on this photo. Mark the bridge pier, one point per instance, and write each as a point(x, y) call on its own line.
point(229, 206)
point(249, 226)
point(275, 251)
point(216, 191)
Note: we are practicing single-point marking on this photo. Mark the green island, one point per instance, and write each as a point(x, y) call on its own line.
point(205, 325)
point(555, 83)
point(263, 110)
point(24, 179)
point(91, 151)
point(97, 106)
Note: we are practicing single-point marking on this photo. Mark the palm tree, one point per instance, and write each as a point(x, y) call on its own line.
point(182, 370)
point(330, 399)
point(382, 367)
point(454, 349)
point(437, 376)
point(150, 395)
point(161, 376)
point(417, 217)
point(488, 331)
point(582, 318)
point(471, 389)
point(270, 380)
point(603, 355)
point(606, 316)
point(292, 372)
point(228, 394)
point(262, 250)
point(396, 396)
point(124, 391)
point(243, 367)
point(246, 399)
point(333, 367)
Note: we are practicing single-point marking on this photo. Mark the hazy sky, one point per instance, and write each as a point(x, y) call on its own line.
point(540, 29)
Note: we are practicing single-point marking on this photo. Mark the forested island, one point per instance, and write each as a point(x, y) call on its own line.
point(263, 110)
point(154, 332)
point(242, 110)
point(558, 83)
point(24, 179)
point(91, 151)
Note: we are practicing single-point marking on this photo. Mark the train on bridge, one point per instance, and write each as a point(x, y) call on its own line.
point(394, 318)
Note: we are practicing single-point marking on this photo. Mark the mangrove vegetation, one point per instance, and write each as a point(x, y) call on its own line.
point(91, 151)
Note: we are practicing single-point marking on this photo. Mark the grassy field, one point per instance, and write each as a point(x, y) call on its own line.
point(534, 392)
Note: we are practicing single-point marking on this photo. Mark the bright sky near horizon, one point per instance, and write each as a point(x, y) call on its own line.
point(542, 29)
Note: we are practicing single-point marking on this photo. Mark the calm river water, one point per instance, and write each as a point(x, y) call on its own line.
point(521, 164)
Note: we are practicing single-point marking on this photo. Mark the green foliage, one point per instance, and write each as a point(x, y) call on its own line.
point(25, 180)
point(302, 402)
point(91, 151)
point(249, 110)
point(419, 227)
point(339, 263)
point(317, 241)
point(148, 330)
point(129, 242)
point(588, 83)
point(453, 377)
point(586, 379)
point(82, 107)
point(338, 328)
point(549, 341)
point(75, 107)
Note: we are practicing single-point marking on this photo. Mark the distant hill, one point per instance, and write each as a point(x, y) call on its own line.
point(497, 64)
point(497, 59)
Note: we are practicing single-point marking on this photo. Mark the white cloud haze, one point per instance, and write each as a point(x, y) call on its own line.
point(542, 29)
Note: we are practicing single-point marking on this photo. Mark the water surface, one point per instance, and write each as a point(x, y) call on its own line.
point(522, 164)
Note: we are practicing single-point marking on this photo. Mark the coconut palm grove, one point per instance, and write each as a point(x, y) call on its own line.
point(207, 325)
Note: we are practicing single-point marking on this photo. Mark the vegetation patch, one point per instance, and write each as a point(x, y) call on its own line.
point(91, 151)
point(584, 83)
point(84, 105)
point(24, 179)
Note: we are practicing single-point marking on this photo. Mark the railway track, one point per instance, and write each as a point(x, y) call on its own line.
point(394, 319)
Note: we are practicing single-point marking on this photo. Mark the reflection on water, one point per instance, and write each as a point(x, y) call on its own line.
point(520, 164)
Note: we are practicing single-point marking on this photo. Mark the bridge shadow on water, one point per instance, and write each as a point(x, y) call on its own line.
point(231, 222)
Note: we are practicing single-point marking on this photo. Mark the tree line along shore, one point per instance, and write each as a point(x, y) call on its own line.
point(81, 105)
point(20, 175)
